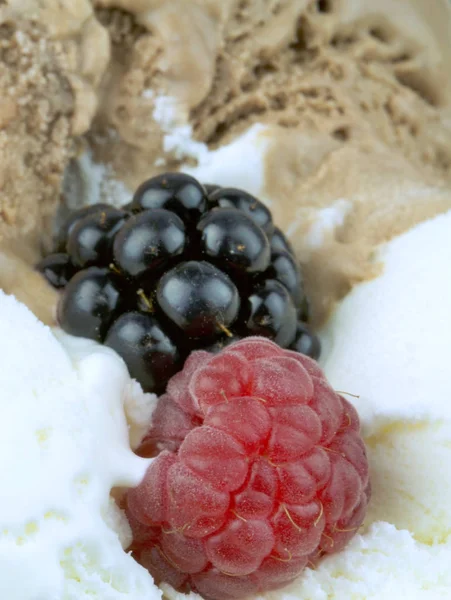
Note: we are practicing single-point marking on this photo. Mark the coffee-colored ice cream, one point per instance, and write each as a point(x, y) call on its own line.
point(337, 113)
point(347, 92)
point(47, 77)
point(48, 73)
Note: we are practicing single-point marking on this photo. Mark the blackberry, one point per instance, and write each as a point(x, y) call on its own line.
point(176, 192)
point(57, 269)
point(285, 269)
point(305, 341)
point(150, 354)
point(73, 219)
point(199, 298)
point(256, 210)
point(91, 301)
point(148, 241)
point(231, 239)
point(90, 241)
point(279, 243)
point(270, 312)
point(183, 266)
point(211, 187)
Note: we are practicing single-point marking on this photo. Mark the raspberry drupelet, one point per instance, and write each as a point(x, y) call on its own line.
point(261, 471)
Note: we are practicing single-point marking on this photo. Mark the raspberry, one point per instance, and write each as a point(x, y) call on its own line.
point(262, 470)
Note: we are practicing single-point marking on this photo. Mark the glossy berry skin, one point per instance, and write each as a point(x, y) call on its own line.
point(57, 269)
point(279, 242)
point(205, 262)
point(253, 208)
point(232, 240)
point(284, 268)
point(306, 342)
point(91, 239)
point(150, 355)
point(269, 311)
point(148, 241)
point(211, 187)
point(177, 192)
point(74, 218)
point(92, 300)
point(199, 298)
point(262, 471)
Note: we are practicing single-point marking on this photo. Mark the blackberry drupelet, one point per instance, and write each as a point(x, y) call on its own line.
point(151, 356)
point(91, 301)
point(90, 241)
point(181, 267)
point(256, 210)
point(305, 341)
point(57, 269)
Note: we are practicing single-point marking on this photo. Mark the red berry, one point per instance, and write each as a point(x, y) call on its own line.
point(262, 471)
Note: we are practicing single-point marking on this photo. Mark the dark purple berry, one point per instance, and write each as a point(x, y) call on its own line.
point(177, 192)
point(73, 219)
point(128, 207)
point(148, 241)
point(211, 187)
point(199, 298)
point(256, 210)
point(57, 269)
point(91, 239)
point(91, 301)
point(304, 310)
point(284, 268)
point(189, 267)
point(306, 342)
point(232, 240)
point(279, 242)
point(269, 311)
point(149, 353)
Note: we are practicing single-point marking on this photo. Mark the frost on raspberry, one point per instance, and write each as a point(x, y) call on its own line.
point(261, 471)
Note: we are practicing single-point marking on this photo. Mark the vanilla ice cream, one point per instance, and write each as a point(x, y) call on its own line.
point(338, 115)
point(388, 344)
point(64, 446)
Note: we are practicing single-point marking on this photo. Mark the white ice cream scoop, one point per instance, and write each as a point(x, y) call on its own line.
point(64, 445)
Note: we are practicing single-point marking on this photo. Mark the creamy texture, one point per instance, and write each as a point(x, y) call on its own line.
point(346, 90)
point(337, 229)
point(343, 92)
point(341, 68)
point(383, 564)
point(48, 73)
point(64, 447)
point(389, 344)
point(335, 113)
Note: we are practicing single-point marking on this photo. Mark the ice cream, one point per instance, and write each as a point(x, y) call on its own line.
point(387, 347)
point(388, 343)
point(307, 102)
point(393, 334)
point(338, 115)
point(349, 73)
point(46, 77)
point(335, 89)
point(64, 447)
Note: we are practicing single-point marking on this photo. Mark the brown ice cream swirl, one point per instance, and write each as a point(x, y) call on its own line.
point(355, 95)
